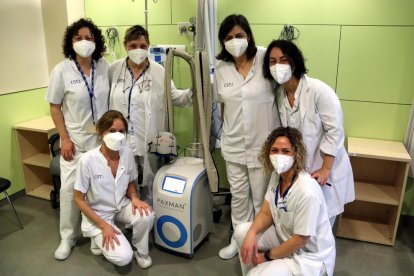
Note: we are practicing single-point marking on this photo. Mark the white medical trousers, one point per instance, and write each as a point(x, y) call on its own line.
point(69, 211)
point(141, 227)
point(265, 241)
point(247, 187)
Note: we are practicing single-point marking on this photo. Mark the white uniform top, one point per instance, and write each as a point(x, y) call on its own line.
point(302, 211)
point(250, 112)
point(147, 112)
point(321, 125)
point(67, 87)
point(104, 194)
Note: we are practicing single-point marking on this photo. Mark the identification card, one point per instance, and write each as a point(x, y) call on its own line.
point(130, 128)
point(91, 129)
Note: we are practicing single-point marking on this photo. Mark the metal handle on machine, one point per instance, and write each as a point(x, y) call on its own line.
point(201, 105)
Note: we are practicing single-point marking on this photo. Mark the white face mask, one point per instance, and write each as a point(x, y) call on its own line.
point(137, 56)
point(237, 46)
point(114, 140)
point(282, 73)
point(281, 162)
point(84, 48)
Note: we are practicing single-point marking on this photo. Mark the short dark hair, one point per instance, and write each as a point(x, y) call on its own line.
point(73, 29)
point(136, 32)
point(228, 23)
point(292, 52)
point(298, 146)
point(105, 122)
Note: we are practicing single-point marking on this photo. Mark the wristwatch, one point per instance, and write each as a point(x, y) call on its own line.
point(267, 256)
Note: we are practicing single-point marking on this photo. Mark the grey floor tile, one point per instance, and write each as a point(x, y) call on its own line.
point(30, 251)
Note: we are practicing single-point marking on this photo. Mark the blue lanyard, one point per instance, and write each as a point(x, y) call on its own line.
point(285, 193)
point(132, 85)
point(91, 88)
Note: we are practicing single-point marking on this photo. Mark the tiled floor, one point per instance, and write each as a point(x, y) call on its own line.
point(30, 251)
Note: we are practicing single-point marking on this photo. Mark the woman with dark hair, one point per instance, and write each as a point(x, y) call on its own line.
point(312, 107)
point(249, 113)
point(78, 95)
point(291, 235)
point(137, 91)
point(105, 192)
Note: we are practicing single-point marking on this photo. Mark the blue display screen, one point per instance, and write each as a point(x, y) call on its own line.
point(173, 184)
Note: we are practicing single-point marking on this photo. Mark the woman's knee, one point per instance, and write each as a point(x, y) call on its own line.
point(145, 219)
point(240, 232)
point(122, 258)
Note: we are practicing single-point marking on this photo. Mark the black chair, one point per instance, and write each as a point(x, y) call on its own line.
point(55, 169)
point(4, 185)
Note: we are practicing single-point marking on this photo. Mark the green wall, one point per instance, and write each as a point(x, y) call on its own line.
point(363, 49)
point(16, 108)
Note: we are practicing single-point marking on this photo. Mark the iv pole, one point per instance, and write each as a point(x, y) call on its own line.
point(146, 15)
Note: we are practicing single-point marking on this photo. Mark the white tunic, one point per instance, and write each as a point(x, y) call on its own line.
point(321, 125)
point(147, 112)
point(105, 194)
point(250, 111)
point(302, 211)
point(67, 87)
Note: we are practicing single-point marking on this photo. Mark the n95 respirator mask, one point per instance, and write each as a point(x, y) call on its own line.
point(114, 140)
point(281, 162)
point(84, 48)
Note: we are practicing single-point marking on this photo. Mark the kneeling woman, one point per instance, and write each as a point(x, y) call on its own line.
point(105, 192)
point(292, 230)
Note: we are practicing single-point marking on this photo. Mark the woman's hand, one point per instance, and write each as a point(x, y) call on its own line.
point(67, 150)
point(321, 175)
point(142, 207)
point(259, 259)
point(249, 248)
point(109, 236)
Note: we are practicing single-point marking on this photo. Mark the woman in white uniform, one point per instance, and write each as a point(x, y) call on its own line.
point(137, 91)
point(105, 192)
point(78, 95)
point(249, 114)
point(312, 107)
point(291, 235)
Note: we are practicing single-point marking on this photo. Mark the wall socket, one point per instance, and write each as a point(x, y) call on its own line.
point(183, 28)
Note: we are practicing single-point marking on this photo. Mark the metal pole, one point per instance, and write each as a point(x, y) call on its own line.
point(146, 14)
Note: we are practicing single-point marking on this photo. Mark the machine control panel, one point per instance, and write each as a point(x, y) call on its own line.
point(173, 184)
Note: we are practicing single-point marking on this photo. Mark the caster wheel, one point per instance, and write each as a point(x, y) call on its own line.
point(217, 215)
point(54, 200)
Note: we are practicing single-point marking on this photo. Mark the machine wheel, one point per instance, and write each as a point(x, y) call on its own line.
point(217, 212)
point(227, 200)
point(54, 200)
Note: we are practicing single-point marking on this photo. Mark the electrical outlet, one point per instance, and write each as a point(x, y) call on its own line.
point(183, 28)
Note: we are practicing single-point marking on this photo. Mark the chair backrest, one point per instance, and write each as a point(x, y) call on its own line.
point(4, 184)
point(54, 144)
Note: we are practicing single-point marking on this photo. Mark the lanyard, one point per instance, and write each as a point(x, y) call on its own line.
point(285, 193)
point(91, 88)
point(132, 85)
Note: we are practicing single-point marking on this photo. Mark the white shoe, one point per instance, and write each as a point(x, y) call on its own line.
point(64, 249)
point(144, 261)
point(95, 249)
point(229, 251)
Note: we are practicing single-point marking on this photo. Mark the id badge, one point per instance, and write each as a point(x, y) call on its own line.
point(91, 129)
point(130, 128)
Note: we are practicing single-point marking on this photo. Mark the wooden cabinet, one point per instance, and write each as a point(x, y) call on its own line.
point(380, 171)
point(32, 138)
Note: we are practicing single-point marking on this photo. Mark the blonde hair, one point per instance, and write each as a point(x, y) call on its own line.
point(295, 139)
